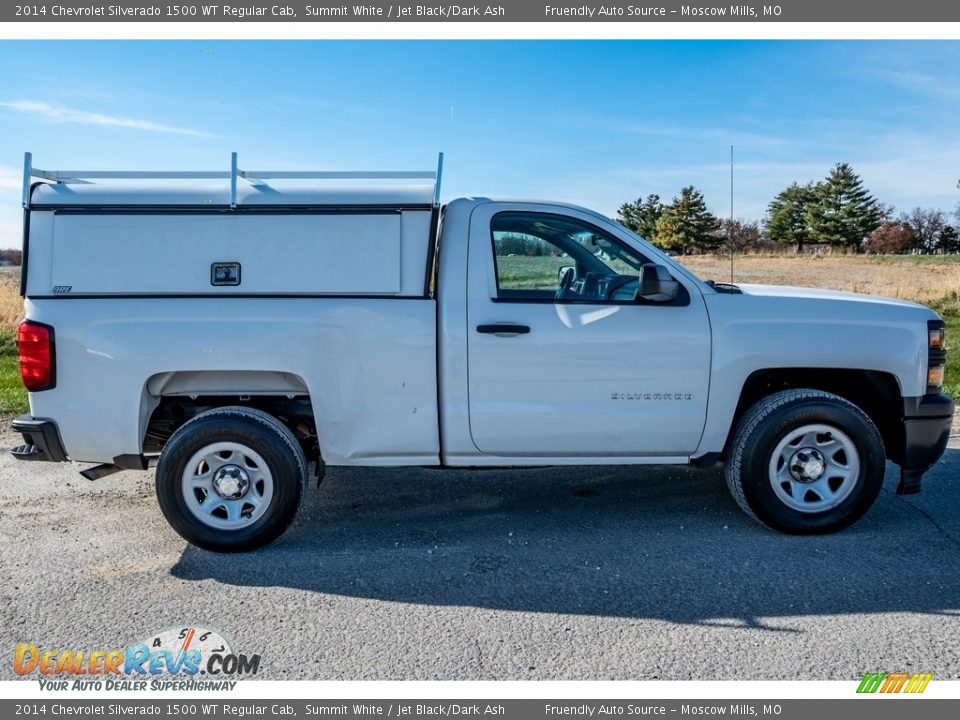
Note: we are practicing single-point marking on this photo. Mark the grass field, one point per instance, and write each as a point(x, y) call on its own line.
point(931, 280)
point(521, 271)
point(934, 281)
point(13, 398)
point(927, 279)
point(952, 383)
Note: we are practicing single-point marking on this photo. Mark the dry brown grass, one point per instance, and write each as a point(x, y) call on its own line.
point(919, 279)
point(11, 304)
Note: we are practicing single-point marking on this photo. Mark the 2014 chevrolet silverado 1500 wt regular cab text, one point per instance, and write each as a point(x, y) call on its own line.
point(239, 327)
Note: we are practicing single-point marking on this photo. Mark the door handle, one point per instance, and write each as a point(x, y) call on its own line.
point(503, 329)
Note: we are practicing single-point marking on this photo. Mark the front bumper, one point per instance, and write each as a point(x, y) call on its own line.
point(926, 430)
point(41, 440)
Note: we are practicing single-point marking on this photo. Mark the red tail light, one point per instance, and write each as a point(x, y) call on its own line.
point(37, 359)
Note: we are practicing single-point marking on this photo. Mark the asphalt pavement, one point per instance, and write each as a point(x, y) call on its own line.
point(558, 573)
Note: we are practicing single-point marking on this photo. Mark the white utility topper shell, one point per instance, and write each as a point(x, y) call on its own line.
point(239, 326)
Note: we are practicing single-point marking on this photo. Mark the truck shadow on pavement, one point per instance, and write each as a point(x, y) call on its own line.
point(660, 543)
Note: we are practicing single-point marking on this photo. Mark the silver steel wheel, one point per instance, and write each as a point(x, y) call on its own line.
point(814, 468)
point(227, 486)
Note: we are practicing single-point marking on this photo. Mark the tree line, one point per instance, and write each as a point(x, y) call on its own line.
point(837, 212)
point(12, 257)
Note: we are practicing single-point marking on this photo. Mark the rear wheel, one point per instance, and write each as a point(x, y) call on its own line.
point(231, 479)
point(805, 461)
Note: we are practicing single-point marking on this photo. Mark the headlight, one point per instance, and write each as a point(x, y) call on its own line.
point(935, 377)
point(936, 355)
point(938, 338)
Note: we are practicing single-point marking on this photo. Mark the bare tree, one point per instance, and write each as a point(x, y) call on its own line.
point(956, 212)
point(927, 224)
point(743, 235)
point(12, 256)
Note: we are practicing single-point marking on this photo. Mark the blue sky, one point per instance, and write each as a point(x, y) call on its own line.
point(592, 122)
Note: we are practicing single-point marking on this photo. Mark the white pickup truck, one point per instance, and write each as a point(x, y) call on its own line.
point(237, 328)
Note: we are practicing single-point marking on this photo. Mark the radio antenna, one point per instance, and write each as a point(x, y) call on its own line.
point(730, 226)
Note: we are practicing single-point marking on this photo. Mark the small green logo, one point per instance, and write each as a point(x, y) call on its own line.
point(895, 682)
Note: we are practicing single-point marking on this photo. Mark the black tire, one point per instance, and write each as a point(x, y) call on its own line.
point(266, 437)
point(755, 469)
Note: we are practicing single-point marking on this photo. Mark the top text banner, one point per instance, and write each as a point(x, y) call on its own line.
point(897, 11)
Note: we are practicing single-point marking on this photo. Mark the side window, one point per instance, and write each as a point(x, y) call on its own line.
point(541, 256)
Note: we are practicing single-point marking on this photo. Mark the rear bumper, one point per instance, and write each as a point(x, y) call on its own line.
point(41, 440)
point(926, 430)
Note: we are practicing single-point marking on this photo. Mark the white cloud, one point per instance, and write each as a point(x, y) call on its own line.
point(11, 231)
point(674, 131)
point(921, 83)
point(10, 178)
point(61, 113)
point(11, 214)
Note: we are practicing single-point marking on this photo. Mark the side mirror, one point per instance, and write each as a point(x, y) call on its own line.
point(565, 276)
point(656, 284)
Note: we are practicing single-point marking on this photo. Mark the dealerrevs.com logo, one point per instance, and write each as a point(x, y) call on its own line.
point(188, 658)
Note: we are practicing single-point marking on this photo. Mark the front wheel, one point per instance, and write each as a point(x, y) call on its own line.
point(231, 479)
point(805, 461)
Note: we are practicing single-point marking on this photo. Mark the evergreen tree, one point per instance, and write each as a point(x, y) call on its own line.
point(686, 224)
point(949, 240)
point(843, 212)
point(641, 216)
point(787, 216)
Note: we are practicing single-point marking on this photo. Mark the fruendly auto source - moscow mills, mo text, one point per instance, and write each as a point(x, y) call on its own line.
point(645, 11)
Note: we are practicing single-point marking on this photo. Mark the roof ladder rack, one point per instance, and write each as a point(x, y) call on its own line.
point(253, 176)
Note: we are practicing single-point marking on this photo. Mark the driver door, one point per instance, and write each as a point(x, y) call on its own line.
point(582, 369)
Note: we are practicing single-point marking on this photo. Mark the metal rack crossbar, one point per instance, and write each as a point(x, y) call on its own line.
point(83, 177)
